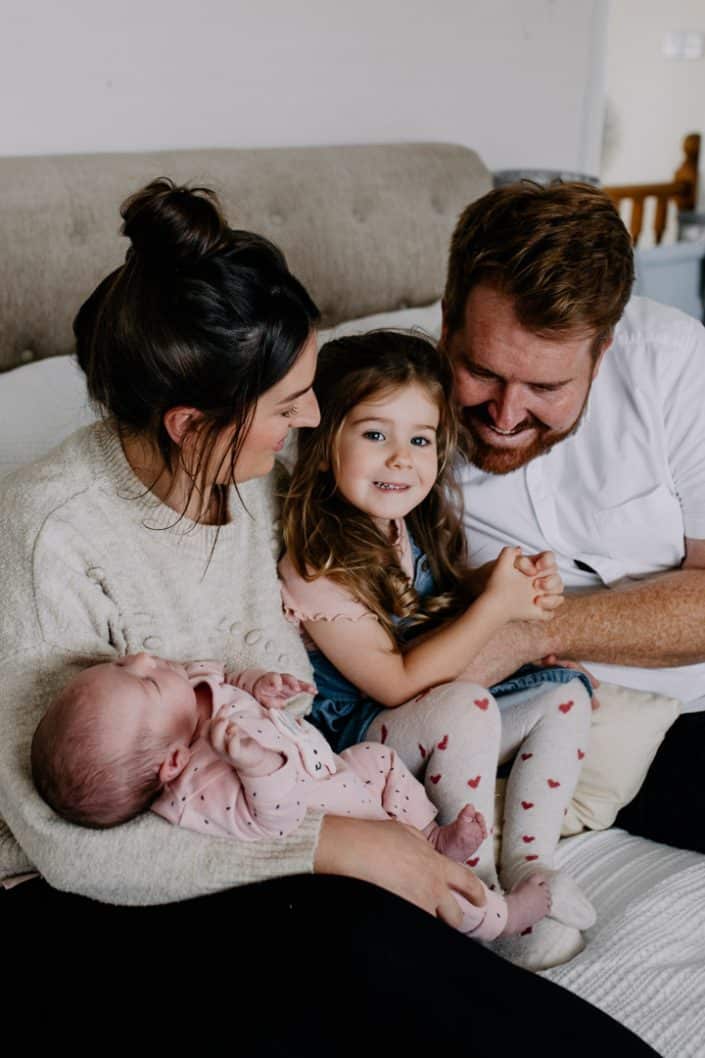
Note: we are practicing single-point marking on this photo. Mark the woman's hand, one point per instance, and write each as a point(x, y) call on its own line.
point(398, 858)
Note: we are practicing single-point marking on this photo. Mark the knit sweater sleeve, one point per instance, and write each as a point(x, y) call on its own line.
point(56, 618)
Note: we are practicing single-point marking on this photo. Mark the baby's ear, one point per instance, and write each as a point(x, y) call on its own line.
point(177, 757)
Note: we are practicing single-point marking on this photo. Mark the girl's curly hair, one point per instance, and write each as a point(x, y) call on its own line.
point(325, 535)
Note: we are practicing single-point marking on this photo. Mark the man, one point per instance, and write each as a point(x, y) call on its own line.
point(585, 421)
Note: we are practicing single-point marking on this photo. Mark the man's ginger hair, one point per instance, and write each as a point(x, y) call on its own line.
point(561, 253)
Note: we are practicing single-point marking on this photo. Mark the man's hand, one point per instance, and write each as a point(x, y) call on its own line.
point(551, 661)
point(274, 689)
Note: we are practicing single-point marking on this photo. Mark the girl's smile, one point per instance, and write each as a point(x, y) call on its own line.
point(386, 458)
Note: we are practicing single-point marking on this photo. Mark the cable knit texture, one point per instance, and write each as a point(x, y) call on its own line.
point(94, 566)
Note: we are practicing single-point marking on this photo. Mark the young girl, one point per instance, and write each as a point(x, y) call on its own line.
point(375, 572)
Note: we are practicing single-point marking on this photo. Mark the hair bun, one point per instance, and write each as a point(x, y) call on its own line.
point(168, 224)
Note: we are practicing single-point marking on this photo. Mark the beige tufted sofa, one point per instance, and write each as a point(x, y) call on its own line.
point(365, 227)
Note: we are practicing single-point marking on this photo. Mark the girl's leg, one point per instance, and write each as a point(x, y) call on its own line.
point(449, 738)
point(547, 735)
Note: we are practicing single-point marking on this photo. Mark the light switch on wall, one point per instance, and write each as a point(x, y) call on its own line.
point(683, 44)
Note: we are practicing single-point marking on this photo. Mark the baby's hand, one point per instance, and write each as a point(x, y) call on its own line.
point(529, 587)
point(274, 689)
point(229, 741)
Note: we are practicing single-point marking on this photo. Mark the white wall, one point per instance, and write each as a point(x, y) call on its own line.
point(520, 80)
point(652, 101)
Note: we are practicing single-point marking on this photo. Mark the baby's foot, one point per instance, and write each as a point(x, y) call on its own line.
point(528, 902)
point(460, 839)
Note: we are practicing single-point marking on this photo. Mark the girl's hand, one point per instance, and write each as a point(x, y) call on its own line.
point(398, 858)
point(274, 689)
point(528, 587)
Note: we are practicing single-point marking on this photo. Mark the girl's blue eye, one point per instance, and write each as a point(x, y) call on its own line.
point(373, 435)
point(421, 442)
point(290, 412)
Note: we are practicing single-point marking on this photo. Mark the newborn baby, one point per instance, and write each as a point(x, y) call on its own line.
point(219, 754)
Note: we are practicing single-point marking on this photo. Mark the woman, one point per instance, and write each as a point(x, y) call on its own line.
point(153, 530)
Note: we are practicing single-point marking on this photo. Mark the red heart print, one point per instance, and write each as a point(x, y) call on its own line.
point(581, 755)
point(530, 858)
point(443, 743)
point(474, 782)
point(528, 838)
point(525, 756)
point(473, 862)
point(422, 750)
point(435, 779)
point(384, 733)
point(566, 707)
point(482, 703)
point(553, 783)
point(526, 805)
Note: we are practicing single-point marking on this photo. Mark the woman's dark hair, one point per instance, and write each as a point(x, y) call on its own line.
point(325, 535)
point(198, 315)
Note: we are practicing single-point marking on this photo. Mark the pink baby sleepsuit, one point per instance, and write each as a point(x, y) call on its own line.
point(367, 781)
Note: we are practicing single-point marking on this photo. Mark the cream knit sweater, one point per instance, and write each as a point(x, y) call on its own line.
point(93, 566)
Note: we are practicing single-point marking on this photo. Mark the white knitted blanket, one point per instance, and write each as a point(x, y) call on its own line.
point(644, 961)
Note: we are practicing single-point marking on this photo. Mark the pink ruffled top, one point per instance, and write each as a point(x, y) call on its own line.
point(323, 599)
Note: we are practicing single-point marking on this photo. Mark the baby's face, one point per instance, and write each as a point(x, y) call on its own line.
point(144, 696)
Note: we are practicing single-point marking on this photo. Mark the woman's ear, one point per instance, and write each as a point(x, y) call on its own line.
point(179, 420)
point(177, 757)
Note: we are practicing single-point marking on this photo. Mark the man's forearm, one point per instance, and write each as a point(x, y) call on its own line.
point(654, 623)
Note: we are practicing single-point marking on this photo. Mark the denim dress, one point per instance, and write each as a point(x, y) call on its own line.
point(343, 713)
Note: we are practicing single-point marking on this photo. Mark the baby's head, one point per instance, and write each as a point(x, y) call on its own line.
point(113, 737)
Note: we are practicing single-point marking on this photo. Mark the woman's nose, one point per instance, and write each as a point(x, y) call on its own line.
point(309, 413)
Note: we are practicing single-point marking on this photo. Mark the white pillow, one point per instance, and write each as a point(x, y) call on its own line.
point(427, 319)
point(42, 403)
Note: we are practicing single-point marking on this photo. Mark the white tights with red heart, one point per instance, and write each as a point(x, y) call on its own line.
point(452, 738)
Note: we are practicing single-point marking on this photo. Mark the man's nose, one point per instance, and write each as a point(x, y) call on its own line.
point(507, 409)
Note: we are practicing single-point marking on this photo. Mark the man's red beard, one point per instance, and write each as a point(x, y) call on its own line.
point(503, 460)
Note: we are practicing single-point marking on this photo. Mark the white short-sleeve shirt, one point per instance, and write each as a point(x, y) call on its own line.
point(617, 497)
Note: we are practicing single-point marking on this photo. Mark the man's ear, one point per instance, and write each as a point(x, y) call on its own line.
point(177, 757)
point(603, 349)
point(179, 420)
